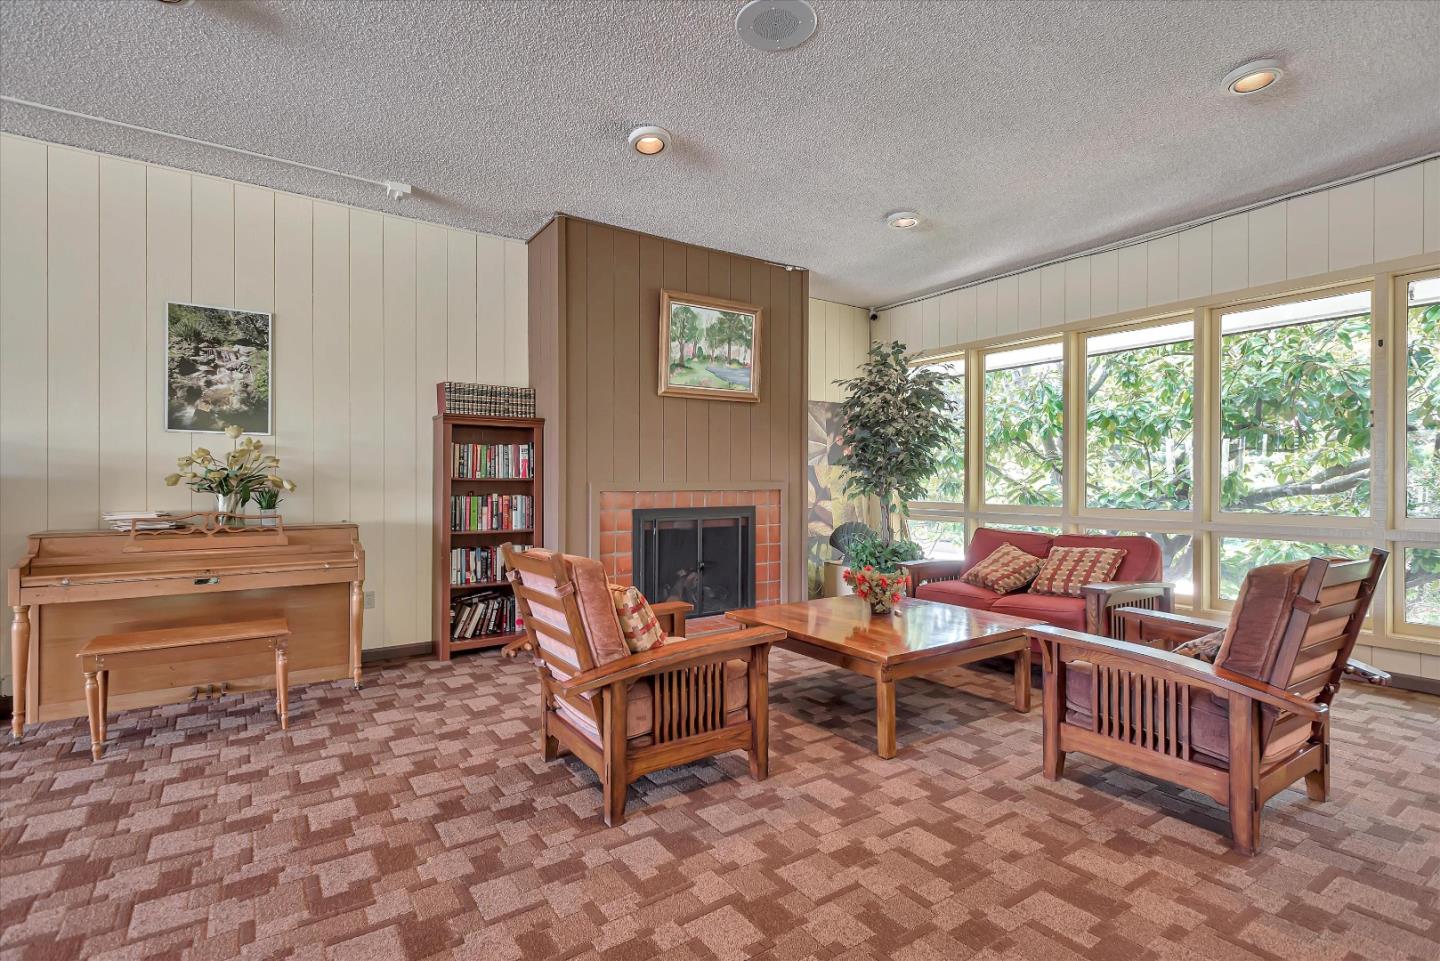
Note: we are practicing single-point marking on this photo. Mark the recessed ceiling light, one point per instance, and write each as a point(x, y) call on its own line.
point(1253, 77)
point(649, 140)
point(902, 219)
point(772, 25)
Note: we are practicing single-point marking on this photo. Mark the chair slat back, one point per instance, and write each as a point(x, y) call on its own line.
point(542, 582)
point(1333, 599)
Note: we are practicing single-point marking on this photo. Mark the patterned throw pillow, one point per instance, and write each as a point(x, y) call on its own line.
point(1007, 569)
point(1068, 569)
point(1204, 648)
point(637, 621)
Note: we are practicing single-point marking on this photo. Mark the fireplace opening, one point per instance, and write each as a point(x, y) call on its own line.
point(702, 555)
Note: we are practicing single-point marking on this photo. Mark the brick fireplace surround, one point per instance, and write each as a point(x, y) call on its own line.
point(617, 524)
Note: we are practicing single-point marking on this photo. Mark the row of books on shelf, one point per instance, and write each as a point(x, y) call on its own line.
point(479, 615)
point(492, 461)
point(477, 565)
point(491, 512)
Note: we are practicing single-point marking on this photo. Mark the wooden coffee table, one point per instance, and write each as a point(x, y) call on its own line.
point(921, 637)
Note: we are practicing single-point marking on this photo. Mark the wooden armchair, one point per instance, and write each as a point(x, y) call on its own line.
point(625, 715)
point(1239, 730)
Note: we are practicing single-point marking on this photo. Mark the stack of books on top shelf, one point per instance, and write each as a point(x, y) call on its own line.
point(480, 615)
point(143, 520)
point(491, 461)
point(477, 565)
point(489, 400)
point(491, 512)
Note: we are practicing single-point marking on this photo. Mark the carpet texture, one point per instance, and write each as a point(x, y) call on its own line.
point(415, 819)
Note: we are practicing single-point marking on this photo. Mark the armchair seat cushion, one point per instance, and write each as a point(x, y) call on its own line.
point(1057, 611)
point(959, 593)
point(640, 704)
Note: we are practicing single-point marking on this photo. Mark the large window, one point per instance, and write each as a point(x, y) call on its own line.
point(1422, 398)
point(1139, 418)
point(1240, 555)
point(1177, 553)
point(1295, 407)
point(1024, 426)
point(948, 484)
point(939, 540)
point(1422, 586)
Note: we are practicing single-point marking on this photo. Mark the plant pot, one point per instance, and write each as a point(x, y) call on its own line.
point(268, 517)
point(882, 590)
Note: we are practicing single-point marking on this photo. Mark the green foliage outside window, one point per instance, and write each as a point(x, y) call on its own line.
point(1422, 405)
point(1024, 435)
point(1295, 418)
point(1422, 586)
point(1238, 556)
point(1139, 422)
point(947, 484)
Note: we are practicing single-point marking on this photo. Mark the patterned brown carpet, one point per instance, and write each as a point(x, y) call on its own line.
point(416, 820)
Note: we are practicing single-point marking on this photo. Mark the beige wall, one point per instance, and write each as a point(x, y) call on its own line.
point(595, 324)
point(1388, 221)
point(839, 338)
point(370, 311)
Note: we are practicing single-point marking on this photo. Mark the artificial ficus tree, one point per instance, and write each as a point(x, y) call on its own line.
point(898, 420)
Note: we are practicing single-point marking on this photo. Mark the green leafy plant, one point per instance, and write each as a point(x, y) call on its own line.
point(898, 420)
point(867, 549)
point(267, 498)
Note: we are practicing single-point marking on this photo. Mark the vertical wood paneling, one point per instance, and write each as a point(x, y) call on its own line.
point(815, 354)
point(212, 276)
point(1077, 289)
point(1028, 300)
point(930, 323)
point(294, 356)
point(73, 299)
point(367, 402)
point(122, 334)
point(968, 323)
point(599, 346)
point(718, 284)
point(1399, 213)
point(1352, 225)
point(330, 340)
point(1195, 267)
point(1230, 253)
point(1162, 270)
point(949, 319)
point(1052, 298)
point(1007, 305)
point(462, 321)
point(697, 412)
point(167, 278)
point(672, 272)
point(577, 375)
point(742, 419)
point(1132, 271)
point(490, 330)
point(432, 325)
point(516, 306)
point(255, 249)
point(653, 451)
point(1307, 236)
point(398, 404)
point(987, 309)
point(1104, 278)
point(1432, 204)
point(629, 376)
point(1267, 245)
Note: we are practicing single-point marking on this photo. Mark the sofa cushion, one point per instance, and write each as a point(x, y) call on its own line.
point(1068, 569)
point(1068, 612)
point(638, 623)
point(959, 593)
point(1143, 559)
point(987, 539)
point(1006, 569)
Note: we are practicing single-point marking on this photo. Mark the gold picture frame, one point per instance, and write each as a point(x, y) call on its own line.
point(709, 347)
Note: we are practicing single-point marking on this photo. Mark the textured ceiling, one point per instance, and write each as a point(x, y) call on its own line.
point(1021, 131)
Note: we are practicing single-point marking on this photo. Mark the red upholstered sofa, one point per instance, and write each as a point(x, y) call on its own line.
point(1137, 583)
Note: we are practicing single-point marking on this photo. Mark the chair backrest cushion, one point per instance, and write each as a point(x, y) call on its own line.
point(1143, 560)
point(987, 540)
point(1257, 623)
point(597, 611)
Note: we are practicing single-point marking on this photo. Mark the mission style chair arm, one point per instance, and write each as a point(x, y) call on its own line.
point(1102, 601)
point(1165, 665)
point(671, 615)
point(925, 572)
point(668, 657)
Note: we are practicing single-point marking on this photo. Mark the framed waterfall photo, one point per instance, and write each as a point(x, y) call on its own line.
point(709, 347)
point(217, 369)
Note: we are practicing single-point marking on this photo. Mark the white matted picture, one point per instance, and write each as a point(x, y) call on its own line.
point(217, 369)
point(709, 347)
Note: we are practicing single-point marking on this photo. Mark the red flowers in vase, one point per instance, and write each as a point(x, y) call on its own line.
point(881, 589)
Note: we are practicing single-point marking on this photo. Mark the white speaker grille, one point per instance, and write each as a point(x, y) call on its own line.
point(775, 24)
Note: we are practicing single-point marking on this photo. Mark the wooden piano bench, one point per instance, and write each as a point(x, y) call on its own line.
point(138, 650)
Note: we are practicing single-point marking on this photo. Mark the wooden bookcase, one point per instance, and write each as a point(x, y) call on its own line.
point(465, 429)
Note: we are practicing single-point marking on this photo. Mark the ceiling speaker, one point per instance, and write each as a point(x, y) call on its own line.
point(772, 25)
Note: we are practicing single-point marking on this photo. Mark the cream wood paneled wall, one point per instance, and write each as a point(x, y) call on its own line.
point(839, 339)
point(370, 311)
point(1390, 221)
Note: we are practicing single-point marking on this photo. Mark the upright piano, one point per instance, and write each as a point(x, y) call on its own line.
point(73, 585)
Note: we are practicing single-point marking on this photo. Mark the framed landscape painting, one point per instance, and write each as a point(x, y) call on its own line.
point(217, 369)
point(709, 347)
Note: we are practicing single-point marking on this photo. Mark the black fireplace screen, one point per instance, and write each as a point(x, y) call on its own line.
point(703, 555)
